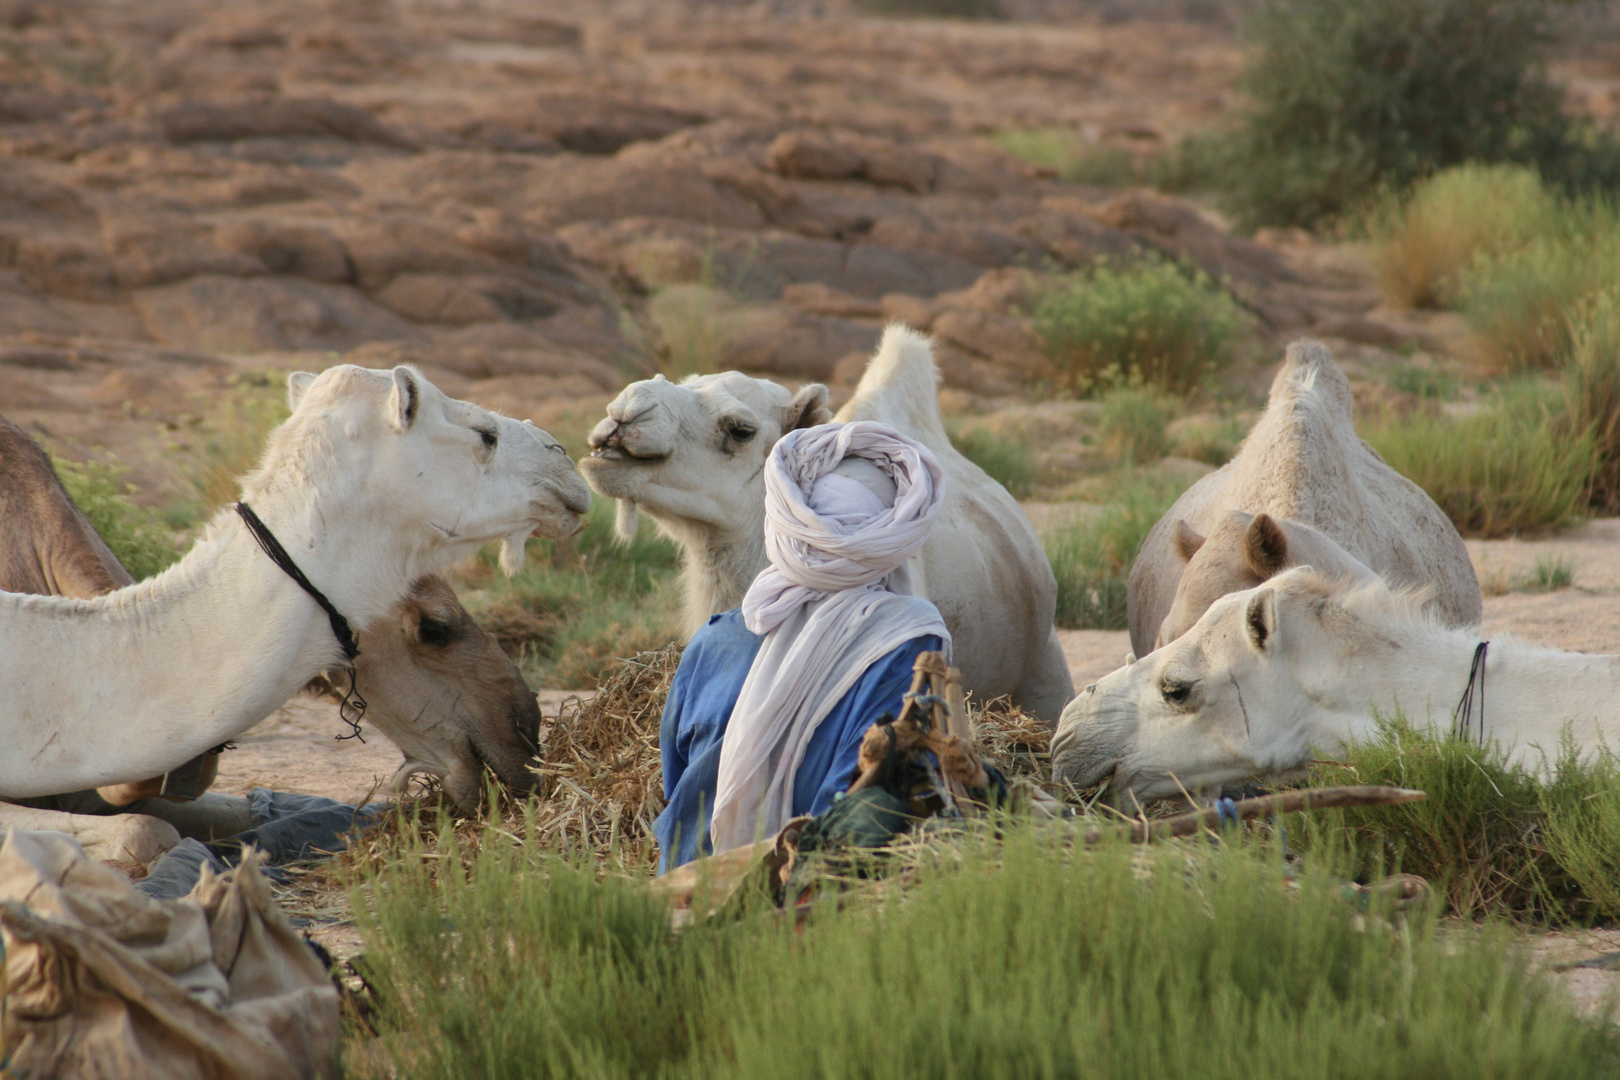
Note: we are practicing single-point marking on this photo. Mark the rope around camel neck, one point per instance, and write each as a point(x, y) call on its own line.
point(1462, 715)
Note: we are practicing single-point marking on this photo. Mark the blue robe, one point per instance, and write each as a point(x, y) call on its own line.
point(701, 697)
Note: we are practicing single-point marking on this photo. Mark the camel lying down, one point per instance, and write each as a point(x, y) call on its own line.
point(375, 480)
point(1302, 663)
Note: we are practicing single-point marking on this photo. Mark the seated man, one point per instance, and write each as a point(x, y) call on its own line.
point(766, 712)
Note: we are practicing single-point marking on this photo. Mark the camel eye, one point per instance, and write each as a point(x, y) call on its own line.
point(489, 437)
point(433, 633)
point(740, 431)
point(1176, 693)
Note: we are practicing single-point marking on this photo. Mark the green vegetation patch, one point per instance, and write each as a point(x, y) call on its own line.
point(1023, 959)
point(1509, 468)
point(134, 533)
point(1153, 322)
point(1491, 837)
point(1091, 558)
point(1005, 458)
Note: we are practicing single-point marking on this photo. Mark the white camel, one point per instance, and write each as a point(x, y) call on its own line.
point(376, 479)
point(1303, 463)
point(1304, 663)
point(691, 455)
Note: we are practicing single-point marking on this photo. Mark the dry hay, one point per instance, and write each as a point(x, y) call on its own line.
point(1015, 742)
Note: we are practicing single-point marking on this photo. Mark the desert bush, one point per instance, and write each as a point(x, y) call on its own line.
point(1092, 559)
point(1006, 459)
point(697, 324)
point(1071, 155)
point(1166, 325)
point(229, 445)
point(1506, 469)
point(1350, 96)
point(135, 533)
point(1024, 958)
point(1591, 381)
point(1520, 303)
point(1134, 426)
point(1214, 442)
point(583, 602)
point(1426, 238)
point(1491, 836)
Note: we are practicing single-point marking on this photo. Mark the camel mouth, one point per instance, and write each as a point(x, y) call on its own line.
point(619, 453)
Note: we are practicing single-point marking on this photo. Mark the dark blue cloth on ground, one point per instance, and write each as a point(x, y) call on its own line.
point(705, 689)
point(288, 828)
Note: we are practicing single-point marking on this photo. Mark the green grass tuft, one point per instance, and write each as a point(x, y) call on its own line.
point(1024, 959)
point(135, 533)
point(1491, 836)
point(1506, 469)
point(1155, 322)
point(1006, 460)
point(1092, 559)
point(1551, 572)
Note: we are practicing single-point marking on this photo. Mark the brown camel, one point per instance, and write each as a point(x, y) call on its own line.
point(435, 682)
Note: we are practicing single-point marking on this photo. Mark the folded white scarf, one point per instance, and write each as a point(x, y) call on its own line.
point(845, 506)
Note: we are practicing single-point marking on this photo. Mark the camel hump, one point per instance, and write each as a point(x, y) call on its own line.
point(1309, 371)
point(901, 387)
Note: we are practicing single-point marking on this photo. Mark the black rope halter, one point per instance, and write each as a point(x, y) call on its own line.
point(353, 707)
point(1462, 715)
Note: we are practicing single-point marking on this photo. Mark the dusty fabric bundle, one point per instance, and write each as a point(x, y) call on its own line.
point(846, 505)
point(103, 983)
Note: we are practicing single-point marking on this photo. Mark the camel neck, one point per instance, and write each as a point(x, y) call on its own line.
point(137, 679)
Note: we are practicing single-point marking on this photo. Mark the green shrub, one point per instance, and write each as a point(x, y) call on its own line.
point(135, 533)
point(1073, 157)
point(1092, 559)
point(1024, 959)
point(1425, 239)
point(231, 443)
point(1520, 303)
point(1506, 469)
point(581, 603)
point(1004, 459)
point(1491, 836)
point(1591, 380)
point(1550, 572)
point(1168, 326)
point(1350, 96)
point(1134, 426)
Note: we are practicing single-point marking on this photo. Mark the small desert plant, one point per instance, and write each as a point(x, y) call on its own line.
point(1520, 303)
point(1005, 458)
point(581, 603)
point(697, 324)
point(1425, 239)
point(1423, 382)
point(229, 446)
point(1133, 428)
point(1591, 379)
point(1550, 572)
point(1091, 559)
point(1073, 157)
point(135, 533)
point(1168, 326)
point(1505, 469)
point(1493, 836)
point(1355, 95)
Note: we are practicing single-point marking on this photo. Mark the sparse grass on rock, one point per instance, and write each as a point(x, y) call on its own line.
point(1153, 322)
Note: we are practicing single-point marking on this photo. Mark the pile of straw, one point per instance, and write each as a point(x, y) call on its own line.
point(1013, 741)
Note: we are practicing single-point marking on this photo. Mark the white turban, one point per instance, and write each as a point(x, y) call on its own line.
point(846, 505)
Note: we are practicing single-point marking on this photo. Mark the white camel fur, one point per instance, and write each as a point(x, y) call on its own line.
point(1303, 663)
point(691, 455)
point(1302, 462)
point(376, 479)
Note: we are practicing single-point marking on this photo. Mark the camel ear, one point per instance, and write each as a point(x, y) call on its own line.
point(423, 626)
point(298, 383)
point(1265, 546)
point(404, 401)
point(808, 408)
point(1185, 540)
point(1260, 619)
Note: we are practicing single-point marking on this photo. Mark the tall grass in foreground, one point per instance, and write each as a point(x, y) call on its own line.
point(1092, 559)
point(1591, 379)
point(583, 602)
point(1025, 960)
point(1493, 837)
point(1510, 468)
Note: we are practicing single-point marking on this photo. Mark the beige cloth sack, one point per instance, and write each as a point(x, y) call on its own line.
point(106, 983)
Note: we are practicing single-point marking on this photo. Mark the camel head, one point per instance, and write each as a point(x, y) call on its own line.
point(420, 474)
point(1242, 694)
point(691, 454)
point(1239, 553)
point(439, 686)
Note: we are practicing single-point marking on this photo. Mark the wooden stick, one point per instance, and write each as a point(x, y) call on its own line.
point(1285, 802)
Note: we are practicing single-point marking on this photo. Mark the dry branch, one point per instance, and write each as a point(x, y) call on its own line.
point(1286, 802)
